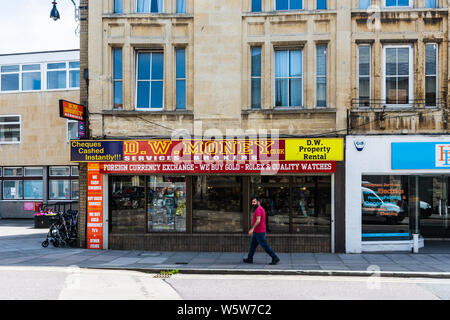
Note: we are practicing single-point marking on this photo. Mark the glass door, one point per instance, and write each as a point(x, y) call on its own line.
point(434, 212)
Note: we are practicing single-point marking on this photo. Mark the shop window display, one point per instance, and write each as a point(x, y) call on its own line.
point(217, 204)
point(127, 204)
point(166, 203)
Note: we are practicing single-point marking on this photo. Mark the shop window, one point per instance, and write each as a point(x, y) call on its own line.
point(10, 78)
point(180, 56)
point(150, 80)
point(74, 190)
point(384, 207)
point(288, 78)
point(13, 172)
point(217, 204)
point(10, 129)
point(34, 172)
point(321, 75)
point(33, 189)
point(166, 197)
point(59, 189)
point(274, 196)
point(288, 4)
point(150, 6)
point(256, 77)
point(56, 75)
point(12, 189)
point(127, 196)
point(31, 77)
point(59, 171)
point(398, 75)
point(74, 171)
point(181, 6)
point(117, 78)
point(431, 80)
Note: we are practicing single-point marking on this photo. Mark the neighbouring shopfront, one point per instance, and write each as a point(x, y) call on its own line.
point(397, 186)
point(195, 195)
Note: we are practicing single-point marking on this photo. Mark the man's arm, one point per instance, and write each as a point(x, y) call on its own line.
point(257, 222)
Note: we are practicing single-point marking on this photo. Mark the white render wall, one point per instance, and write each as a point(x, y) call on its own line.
point(375, 158)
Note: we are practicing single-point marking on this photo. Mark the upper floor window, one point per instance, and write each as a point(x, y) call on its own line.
point(364, 4)
point(321, 75)
point(117, 78)
point(430, 3)
point(398, 3)
point(364, 58)
point(72, 130)
point(256, 77)
point(40, 76)
point(180, 56)
point(150, 80)
point(321, 4)
point(398, 74)
point(288, 78)
point(181, 6)
point(288, 4)
point(9, 129)
point(150, 6)
point(256, 6)
point(118, 6)
point(431, 72)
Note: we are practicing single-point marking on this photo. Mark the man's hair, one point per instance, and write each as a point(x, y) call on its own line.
point(255, 198)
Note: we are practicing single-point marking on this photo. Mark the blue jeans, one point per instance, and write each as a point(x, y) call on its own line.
point(260, 238)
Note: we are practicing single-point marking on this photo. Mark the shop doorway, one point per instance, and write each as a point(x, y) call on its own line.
point(434, 218)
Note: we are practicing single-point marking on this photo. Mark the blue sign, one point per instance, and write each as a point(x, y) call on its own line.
point(420, 155)
point(96, 151)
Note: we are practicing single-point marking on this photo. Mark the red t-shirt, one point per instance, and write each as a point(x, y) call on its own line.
point(261, 227)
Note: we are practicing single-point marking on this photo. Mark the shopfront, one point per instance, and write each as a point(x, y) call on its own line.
point(195, 195)
point(397, 186)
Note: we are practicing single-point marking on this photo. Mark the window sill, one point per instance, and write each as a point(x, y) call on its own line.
point(149, 112)
point(289, 111)
point(356, 11)
point(287, 12)
point(149, 14)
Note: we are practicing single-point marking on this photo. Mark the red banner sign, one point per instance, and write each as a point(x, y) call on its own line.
point(94, 207)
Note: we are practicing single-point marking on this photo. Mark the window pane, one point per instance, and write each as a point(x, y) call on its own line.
point(403, 61)
point(281, 92)
point(391, 61)
point(403, 2)
point(256, 62)
point(118, 6)
point(31, 67)
point(10, 133)
point(33, 189)
point(296, 92)
point(12, 172)
point(61, 65)
point(181, 63)
point(256, 6)
point(157, 66)
point(75, 189)
point(364, 60)
point(295, 65)
point(72, 127)
point(127, 204)
point(14, 68)
point(34, 172)
point(281, 63)
point(295, 4)
point(31, 81)
point(143, 5)
point(256, 93)
point(166, 203)
point(59, 171)
point(74, 79)
point(117, 63)
point(403, 90)
point(9, 119)
point(321, 92)
point(364, 4)
point(10, 82)
point(144, 66)
point(181, 94)
point(321, 4)
point(143, 94)
point(74, 171)
point(430, 59)
point(59, 189)
point(157, 94)
point(430, 91)
point(181, 6)
point(56, 80)
point(321, 55)
point(74, 65)
point(118, 95)
point(391, 90)
point(390, 3)
point(364, 88)
point(274, 196)
point(282, 4)
point(217, 204)
point(12, 189)
point(156, 5)
point(430, 3)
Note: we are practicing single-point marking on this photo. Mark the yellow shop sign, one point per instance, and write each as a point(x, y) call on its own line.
point(330, 149)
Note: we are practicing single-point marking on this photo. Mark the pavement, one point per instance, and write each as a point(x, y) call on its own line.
point(20, 245)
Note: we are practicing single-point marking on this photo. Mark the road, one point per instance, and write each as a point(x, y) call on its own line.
point(62, 283)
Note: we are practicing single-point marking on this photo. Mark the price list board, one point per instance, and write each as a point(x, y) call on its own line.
point(94, 207)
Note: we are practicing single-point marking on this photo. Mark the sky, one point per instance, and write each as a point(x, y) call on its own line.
point(25, 26)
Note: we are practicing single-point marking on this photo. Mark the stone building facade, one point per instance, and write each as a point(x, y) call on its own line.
point(293, 67)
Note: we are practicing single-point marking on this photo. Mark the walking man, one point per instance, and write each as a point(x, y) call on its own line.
point(258, 233)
